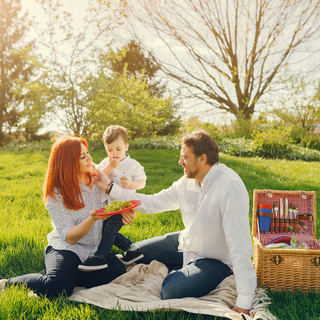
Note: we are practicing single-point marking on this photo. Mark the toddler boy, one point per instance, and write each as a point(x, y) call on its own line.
point(128, 173)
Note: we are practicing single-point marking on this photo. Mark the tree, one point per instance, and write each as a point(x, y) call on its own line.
point(128, 102)
point(33, 108)
point(227, 53)
point(73, 53)
point(194, 123)
point(300, 108)
point(15, 63)
point(132, 59)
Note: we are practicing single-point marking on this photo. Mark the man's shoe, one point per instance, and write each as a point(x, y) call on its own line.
point(93, 264)
point(132, 256)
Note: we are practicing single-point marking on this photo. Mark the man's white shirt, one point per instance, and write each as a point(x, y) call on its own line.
point(215, 216)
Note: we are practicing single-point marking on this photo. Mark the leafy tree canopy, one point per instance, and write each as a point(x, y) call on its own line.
point(132, 59)
point(15, 64)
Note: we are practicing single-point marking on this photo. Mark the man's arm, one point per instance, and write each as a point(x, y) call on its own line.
point(165, 200)
point(134, 184)
point(235, 209)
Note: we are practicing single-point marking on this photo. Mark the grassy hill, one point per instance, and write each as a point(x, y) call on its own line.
point(25, 224)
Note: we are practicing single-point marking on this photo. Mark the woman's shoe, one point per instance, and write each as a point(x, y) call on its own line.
point(93, 264)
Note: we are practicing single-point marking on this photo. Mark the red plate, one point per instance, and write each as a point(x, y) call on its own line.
point(135, 203)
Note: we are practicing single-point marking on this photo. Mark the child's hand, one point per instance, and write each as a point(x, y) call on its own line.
point(125, 183)
point(113, 162)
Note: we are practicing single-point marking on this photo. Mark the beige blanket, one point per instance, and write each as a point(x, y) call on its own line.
point(139, 290)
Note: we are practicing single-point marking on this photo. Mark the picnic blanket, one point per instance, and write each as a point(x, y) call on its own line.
point(139, 290)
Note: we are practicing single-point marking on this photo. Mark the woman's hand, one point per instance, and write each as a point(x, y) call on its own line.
point(95, 217)
point(128, 216)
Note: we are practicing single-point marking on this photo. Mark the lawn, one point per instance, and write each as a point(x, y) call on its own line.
point(25, 223)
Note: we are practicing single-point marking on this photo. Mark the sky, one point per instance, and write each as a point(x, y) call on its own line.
point(78, 8)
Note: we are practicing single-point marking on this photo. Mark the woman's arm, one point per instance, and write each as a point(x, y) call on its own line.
point(165, 200)
point(102, 180)
point(76, 232)
point(67, 223)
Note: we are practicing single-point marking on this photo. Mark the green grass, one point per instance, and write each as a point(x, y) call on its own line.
point(25, 224)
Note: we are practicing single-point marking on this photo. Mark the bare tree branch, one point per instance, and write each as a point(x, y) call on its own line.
point(227, 52)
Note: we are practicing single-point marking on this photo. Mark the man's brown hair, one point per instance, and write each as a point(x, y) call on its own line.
point(114, 132)
point(201, 143)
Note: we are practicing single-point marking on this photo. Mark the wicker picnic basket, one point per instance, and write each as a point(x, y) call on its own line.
point(287, 269)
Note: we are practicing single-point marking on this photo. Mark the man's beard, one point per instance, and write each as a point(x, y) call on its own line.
point(192, 174)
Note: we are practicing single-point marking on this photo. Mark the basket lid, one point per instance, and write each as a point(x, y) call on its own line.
point(305, 201)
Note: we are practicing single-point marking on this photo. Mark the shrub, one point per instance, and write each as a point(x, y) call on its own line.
point(168, 143)
point(272, 143)
point(193, 123)
point(43, 145)
point(306, 139)
point(305, 154)
point(240, 147)
point(311, 140)
point(95, 144)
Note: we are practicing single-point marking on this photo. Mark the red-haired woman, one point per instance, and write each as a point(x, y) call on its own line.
point(71, 196)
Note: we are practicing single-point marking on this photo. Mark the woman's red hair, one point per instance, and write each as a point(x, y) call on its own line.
point(62, 172)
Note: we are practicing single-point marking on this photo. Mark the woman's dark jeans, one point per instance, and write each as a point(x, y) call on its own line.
point(62, 274)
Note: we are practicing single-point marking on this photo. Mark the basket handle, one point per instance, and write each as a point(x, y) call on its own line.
point(303, 195)
point(269, 193)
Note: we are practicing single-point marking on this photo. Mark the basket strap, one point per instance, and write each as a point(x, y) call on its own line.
point(269, 193)
point(303, 195)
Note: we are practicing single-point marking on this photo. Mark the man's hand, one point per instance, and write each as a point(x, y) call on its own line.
point(240, 310)
point(128, 216)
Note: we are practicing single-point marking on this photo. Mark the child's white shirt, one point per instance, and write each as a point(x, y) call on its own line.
point(128, 167)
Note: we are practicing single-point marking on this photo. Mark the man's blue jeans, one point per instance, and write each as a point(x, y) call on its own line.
point(196, 279)
point(62, 274)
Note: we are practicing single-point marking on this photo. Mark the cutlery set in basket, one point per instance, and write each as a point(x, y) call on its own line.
point(288, 217)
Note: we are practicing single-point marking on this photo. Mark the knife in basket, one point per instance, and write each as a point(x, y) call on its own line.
point(281, 228)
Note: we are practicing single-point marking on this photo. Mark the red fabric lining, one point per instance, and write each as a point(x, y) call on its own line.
point(305, 207)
